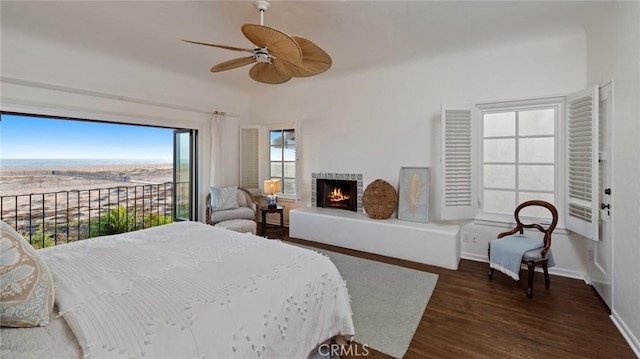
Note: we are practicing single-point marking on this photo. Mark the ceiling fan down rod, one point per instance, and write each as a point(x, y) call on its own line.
point(262, 6)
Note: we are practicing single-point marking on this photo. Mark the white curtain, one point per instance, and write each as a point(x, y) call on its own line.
point(216, 173)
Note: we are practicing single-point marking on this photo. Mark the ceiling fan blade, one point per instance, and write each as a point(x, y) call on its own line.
point(232, 64)
point(279, 44)
point(282, 67)
point(268, 73)
point(220, 46)
point(314, 59)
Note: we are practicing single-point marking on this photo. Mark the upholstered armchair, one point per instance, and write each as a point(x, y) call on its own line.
point(247, 208)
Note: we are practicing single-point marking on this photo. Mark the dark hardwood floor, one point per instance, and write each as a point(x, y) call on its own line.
point(469, 316)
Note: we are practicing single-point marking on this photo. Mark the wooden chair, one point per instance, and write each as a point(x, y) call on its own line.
point(538, 256)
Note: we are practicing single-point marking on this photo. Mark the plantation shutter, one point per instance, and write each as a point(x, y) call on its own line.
point(457, 164)
point(250, 158)
point(582, 163)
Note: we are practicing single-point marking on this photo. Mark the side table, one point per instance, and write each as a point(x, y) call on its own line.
point(277, 209)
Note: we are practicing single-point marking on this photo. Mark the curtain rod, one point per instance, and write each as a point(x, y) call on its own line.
point(43, 85)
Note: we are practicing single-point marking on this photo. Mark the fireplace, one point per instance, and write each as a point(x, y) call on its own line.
point(337, 194)
point(337, 190)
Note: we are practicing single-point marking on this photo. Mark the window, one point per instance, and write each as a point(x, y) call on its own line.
point(282, 160)
point(500, 154)
point(497, 155)
point(269, 152)
point(518, 156)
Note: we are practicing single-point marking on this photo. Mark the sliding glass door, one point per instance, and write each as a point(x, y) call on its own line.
point(185, 176)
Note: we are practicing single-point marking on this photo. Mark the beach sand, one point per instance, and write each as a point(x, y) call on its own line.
point(27, 180)
point(31, 196)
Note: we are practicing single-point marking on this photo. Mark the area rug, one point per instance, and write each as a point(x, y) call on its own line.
point(387, 301)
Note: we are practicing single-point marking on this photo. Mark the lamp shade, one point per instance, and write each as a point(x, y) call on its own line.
point(272, 186)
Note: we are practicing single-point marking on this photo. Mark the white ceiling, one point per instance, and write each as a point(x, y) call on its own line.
point(357, 34)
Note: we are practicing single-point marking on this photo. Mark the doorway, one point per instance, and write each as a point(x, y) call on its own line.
point(65, 179)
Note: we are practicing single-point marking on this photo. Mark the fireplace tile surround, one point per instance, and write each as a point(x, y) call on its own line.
point(337, 176)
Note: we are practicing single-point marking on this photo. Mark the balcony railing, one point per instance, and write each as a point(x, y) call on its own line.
point(52, 218)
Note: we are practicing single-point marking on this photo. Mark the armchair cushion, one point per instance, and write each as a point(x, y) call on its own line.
point(244, 200)
point(229, 214)
point(223, 198)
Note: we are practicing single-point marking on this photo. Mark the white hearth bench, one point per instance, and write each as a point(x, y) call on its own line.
point(430, 243)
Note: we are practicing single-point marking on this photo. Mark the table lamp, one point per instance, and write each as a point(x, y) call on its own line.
point(271, 187)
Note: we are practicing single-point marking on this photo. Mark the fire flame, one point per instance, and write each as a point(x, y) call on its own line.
point(336, 195)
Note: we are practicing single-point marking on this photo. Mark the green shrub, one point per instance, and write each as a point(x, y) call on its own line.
point(121, 220)
point(114, 221)
point(39, 239)
point(155, 219)
point(42, 237)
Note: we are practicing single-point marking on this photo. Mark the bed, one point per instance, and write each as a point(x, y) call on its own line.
point(186, 290)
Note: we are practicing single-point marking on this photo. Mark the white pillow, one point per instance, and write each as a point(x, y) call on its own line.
point(26, 285)
point(224, 198)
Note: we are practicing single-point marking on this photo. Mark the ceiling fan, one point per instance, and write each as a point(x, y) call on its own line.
point(277, 56)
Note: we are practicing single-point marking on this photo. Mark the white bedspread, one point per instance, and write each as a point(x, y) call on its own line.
point(55, 341)
point(188, 290)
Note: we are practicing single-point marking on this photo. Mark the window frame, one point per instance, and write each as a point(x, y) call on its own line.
point(267, 163)
point(192, 142)
point(556, 103)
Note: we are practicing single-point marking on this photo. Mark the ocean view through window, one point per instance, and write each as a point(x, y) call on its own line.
point(65, 180)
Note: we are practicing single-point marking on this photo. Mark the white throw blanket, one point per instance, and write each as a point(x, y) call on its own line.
point(188, 290)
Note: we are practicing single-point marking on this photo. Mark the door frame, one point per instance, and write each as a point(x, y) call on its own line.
point(192, 171)
point(601, 256)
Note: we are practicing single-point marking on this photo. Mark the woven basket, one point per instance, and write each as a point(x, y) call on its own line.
point(380, 199)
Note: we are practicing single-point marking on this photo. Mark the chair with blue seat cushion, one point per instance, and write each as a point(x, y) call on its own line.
point(514, 247)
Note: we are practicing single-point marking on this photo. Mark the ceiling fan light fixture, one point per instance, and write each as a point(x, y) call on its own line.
point(262, 56)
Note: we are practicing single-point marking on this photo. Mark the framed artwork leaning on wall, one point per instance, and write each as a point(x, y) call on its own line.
point(413, 194)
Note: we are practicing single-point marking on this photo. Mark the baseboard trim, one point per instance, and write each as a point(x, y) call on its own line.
point(474, 257)
point(554, 270)
point(566, 273)
point(626, 332)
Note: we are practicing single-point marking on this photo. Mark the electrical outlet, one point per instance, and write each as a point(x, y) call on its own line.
point(474, 237)
point(589, 255)
point(466, 237)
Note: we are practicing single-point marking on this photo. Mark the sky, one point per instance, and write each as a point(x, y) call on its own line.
point(44, 138)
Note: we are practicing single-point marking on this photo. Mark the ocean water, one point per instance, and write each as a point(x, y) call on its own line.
point(47, 162)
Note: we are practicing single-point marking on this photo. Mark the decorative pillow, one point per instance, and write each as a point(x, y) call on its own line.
point(26, 285)
point(224, 198)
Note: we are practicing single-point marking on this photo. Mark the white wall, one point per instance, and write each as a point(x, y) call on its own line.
point(66, 69)
point(374, 122)
point(613, 53)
